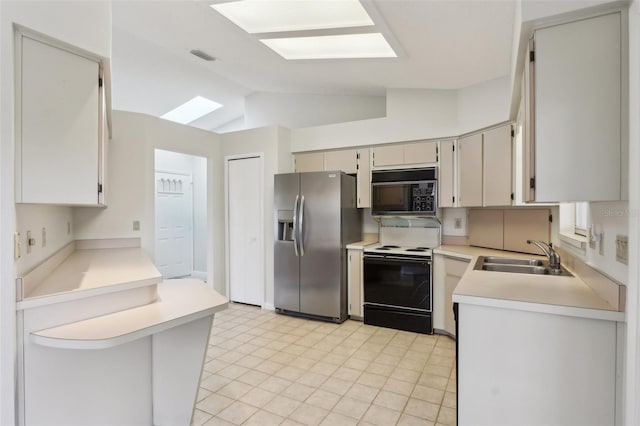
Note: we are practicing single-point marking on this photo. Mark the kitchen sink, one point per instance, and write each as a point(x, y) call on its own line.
point(518, 266)
point(512, 261)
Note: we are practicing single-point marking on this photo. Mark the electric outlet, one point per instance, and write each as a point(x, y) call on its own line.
point(30, 242)
point(457, 223)
point(601, 244)
point(44, 237)
point(17, 246)
point(622, 249)
point(136, 225)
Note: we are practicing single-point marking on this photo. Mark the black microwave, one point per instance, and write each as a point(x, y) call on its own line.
point(406, 192)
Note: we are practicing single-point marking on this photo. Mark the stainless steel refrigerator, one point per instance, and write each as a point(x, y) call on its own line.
point(315, 218)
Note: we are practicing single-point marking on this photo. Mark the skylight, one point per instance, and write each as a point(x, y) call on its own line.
point(192, 110)
point(372, 45)
point(261, 16)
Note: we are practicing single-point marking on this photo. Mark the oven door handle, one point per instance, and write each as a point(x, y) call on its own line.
point(398, 258)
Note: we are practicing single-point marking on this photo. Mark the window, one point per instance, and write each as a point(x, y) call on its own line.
point(574, 225)
point(580, 218)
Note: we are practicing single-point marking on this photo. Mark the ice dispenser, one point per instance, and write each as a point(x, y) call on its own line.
point(285, 225)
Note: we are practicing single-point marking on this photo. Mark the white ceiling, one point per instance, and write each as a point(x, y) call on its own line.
point(441, 44)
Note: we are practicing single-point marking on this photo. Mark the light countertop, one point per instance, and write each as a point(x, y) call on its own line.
point(367, 239)
point(538, 293)
point(179, 301)
point(94, 271)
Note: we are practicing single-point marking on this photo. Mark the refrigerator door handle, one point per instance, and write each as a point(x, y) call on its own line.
point(295, 220)
point(300, 232)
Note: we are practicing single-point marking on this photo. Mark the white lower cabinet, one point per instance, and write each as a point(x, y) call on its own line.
point(522, 367)
point(447, 272)
point(354, 271)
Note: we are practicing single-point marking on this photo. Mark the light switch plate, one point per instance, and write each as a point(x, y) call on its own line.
point(622, 249)
point(601, 244)
point(136, 225)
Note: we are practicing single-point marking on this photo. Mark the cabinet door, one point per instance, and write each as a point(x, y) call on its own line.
point(392, 155)
point(311, 162)
point(470, 167)
point(578, 118)
point(419, 153)
point(355, 282)
point(496, 167)
point(454, 269)
point(58, 135)
point(343, 160)
point(364, 178)
point(446, 196)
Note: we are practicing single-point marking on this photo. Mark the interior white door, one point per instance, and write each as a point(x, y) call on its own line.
point(246, 278)
point(174, 229)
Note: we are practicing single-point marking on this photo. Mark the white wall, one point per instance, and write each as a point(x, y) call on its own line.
point(234, 125)
point(300, 110)
point(272, 143)
point(83, 24)
point(414, 114)
point(131, 185)
point(196, 167)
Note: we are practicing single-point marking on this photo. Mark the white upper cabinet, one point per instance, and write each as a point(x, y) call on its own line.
point(574, 94)
point(345, 160)
point(364, 178)
point(446, 175)
point(309, 162)
point(405, 154)
point(496, 167)
point(59, 117)
point(470, 171)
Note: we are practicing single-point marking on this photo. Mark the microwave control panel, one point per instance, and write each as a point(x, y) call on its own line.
point(424, 197)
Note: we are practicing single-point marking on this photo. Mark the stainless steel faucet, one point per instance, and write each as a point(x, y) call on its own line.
point(554, 257)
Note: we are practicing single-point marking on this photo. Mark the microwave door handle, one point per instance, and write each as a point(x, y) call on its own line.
point(295, 220)
point(300, 227)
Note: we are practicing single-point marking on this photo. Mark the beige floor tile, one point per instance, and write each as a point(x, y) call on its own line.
point(432, 381)
point(397, 351)
point(257, 397)
point(351, 407)
point(441, 360)
point(449, 400)
point(303, 362)
point(373, 380)
point(398, 386)
point(233, 371)
point(289, 373)
point(309, 415)
point(312, 379)
point(437, 370)
point(230, 357)
point(451, 385)
point(295, 349)
point(199, 417)
point(264, 353)
point(214, 382)
point(346, 373)
point(363, 392)
point(217, 421)
point(391, 400)
point(202, 394)
point(269, 367)
point(249, 361)
point(409, 420)
point(428, 394)
point(215, 365)
point(388, 359)
point(234, 390)
point(337, 419)
point(447, 416)
point(282, 406)
point(412, 364)
point(381, 369)
point(323, 399)
point(215, 351)
point(323, 367)
point(214, 403)
point(298, 391)
point(237, 413)
point(407, 375)
point(381, 416)
point(422, 409)
point(253, 377)
point(275, 384)
point(335, 359)
point(315, 354)
point(263, 418)
point(356, 363)
point(283, 358)
point(335, 385)
point(291, 422)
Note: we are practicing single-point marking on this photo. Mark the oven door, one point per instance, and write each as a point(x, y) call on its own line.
point(396, 281)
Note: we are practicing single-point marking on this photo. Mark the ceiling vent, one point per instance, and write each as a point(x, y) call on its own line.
point(202, 55)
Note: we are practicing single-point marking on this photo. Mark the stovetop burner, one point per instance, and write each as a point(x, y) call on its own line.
point(416, 249)
point(390, 246)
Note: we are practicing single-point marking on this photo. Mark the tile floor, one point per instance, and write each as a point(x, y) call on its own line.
point(264, 368)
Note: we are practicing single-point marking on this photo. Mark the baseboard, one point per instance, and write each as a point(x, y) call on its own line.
point(200, 275)
point(268, 307)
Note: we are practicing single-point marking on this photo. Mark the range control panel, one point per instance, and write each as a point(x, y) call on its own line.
point(424, 197)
